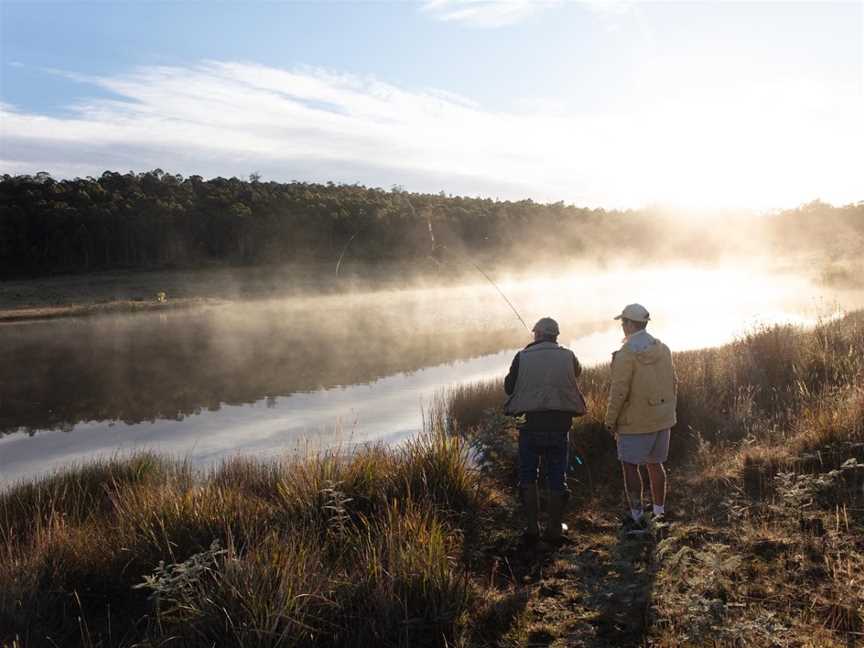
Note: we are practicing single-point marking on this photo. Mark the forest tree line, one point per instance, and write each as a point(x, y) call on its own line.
point(160, 220)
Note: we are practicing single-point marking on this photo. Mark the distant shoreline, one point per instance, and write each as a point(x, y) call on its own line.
point(119, 292)
point(135, 291)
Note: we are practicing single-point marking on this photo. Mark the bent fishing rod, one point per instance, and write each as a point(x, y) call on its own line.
point(436, 246)
point(468, 258)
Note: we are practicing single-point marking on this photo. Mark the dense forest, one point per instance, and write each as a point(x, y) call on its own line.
point(159, 220)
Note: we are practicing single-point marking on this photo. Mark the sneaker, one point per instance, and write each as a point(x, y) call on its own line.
point(664, 518)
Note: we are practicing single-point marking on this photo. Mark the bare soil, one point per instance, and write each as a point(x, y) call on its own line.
point(778, 576)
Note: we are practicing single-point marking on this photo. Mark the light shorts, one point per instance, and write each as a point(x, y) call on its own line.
point(640, 449)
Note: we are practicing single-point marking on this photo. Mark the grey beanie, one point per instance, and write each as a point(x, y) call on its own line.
point(546, 326)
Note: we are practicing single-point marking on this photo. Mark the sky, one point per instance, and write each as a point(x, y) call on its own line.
point(605, 103)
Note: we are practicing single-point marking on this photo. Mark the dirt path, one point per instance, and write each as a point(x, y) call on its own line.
point(780, 576)
point(594, 592)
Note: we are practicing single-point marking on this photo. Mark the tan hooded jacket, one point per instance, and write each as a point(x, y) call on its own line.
point(643, 391)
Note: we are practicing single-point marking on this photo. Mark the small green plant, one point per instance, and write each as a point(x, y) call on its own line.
point(172, 586)
point(700, 584)
point(819, 490)
point(334, 508)
point(704, 568)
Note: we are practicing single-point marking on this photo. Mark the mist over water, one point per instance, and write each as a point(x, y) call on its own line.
point(305, 373)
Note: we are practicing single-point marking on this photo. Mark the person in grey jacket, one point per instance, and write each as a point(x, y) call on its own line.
point(542, 385)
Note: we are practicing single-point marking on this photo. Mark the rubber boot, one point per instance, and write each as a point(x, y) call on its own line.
point(529, 507)
point(556, 528)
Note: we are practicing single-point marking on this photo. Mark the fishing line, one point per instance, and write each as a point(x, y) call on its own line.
point(495, 286)
point(468, 258)
point(435, 247)
point(480, 270)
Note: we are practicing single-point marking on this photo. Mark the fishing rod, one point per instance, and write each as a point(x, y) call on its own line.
point(487, 277)
point(500, 292)
point(436, 246)
point(468, 258)
point(344, 250)
point(428, 219)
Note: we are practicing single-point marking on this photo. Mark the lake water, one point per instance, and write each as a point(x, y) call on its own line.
point(303, 374)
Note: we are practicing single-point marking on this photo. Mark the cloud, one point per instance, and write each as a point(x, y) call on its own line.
point(491, 14)
point(313, 124)
point(760, 145)
point(485, 13)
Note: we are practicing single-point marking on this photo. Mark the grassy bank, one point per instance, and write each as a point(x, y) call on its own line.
point(334, 550)
point(418, 545)
point(766, 489)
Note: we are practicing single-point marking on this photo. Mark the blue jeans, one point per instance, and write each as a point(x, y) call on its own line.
point(552, 448)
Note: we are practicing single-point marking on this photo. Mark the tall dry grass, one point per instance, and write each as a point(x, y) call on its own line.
point(338, 549)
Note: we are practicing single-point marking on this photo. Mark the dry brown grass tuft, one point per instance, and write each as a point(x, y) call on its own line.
point(75, 495)
point(467, 406)
point(337, 548)
point(831, 419)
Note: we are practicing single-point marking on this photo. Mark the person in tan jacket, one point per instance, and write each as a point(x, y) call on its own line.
point(640, 410)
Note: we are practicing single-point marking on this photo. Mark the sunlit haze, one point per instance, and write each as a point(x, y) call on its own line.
point(613, 104)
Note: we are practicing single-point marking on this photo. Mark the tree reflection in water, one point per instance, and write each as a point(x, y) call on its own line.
point(56, 374)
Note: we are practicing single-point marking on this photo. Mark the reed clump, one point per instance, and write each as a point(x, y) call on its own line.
point(330, 550)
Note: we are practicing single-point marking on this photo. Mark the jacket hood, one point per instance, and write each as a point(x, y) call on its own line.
point(653, 353)
point(645, 347)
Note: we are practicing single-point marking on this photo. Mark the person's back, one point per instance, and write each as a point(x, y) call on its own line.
point(546, 381)
point(642, 392)
point(542, 385)
point(640, 410)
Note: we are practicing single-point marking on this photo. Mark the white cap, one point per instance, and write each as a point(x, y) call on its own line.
point(634, 313)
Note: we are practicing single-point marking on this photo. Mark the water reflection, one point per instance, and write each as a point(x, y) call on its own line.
point(58, 374)
point(386, 409)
